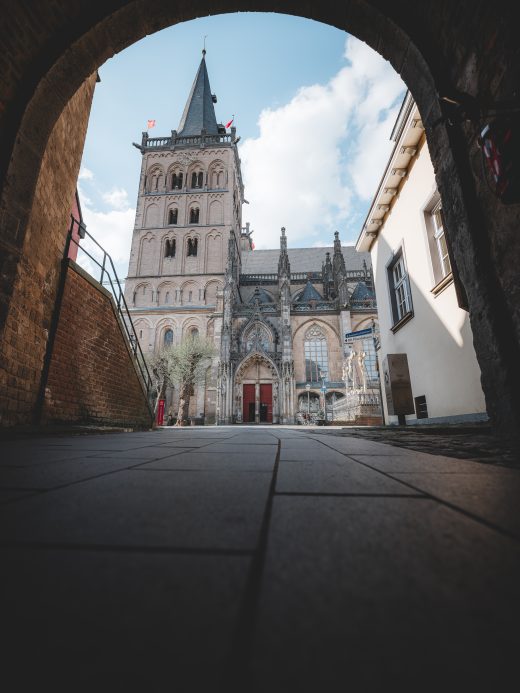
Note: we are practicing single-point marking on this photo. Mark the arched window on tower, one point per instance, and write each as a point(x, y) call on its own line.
point(173, 215)
point(169, 247)
point(192, 247)
point(174, 181)
point(316, 354)
point(168, 337)
point(194, 215)
point(197, 179)
point(194, 332)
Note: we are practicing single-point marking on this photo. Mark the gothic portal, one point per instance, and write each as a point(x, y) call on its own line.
point(277, 317)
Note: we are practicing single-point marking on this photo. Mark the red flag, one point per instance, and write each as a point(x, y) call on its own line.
point(232, 119)
point(151, 124)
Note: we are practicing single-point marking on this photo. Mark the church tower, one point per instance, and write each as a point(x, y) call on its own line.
point(188, 221)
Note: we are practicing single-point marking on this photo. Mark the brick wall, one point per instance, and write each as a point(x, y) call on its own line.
point(32, 272)
point(92, 378)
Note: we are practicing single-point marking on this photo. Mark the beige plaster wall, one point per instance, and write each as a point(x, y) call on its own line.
point(438, 339)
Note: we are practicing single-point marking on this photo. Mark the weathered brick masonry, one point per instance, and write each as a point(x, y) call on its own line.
point(92, 377)
point(30, 266)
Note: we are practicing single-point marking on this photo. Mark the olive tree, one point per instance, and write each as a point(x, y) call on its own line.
point(188, 362)
point(160, 368)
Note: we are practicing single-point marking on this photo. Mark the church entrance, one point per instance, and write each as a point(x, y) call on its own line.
point(257, 400)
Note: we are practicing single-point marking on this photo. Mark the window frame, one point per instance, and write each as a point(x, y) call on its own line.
point(316, 359)
point(399, 289)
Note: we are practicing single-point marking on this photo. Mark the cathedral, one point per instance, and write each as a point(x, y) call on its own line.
point(278, 318)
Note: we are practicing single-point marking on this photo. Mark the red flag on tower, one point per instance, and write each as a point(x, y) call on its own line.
point(232, 119)
point(151, 124)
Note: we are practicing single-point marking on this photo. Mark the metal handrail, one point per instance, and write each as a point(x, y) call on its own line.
point(121, 305)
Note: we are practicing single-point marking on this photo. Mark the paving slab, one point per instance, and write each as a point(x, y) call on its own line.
point(351, 446)
point(492, 497)
point(238, 461)
point(358, 593)
point(417, 462)
point(34, 456)
point(108, 621)
point(146, 454)
point(48, 476)
point(309, 453)
point(8, 495)
point(340, 476)
point(137, 508)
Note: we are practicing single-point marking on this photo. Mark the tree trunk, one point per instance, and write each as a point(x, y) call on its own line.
point(184, 403)
point(161, 394)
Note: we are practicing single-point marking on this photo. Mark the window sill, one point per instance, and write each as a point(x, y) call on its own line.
point(402, 322)
point(444, 282)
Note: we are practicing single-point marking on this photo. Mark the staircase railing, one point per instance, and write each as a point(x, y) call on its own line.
point(108, 277)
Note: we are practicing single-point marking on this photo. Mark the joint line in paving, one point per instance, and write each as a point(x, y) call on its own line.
point(236, 672)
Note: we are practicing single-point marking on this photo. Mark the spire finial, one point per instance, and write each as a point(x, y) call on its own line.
point(204, 46)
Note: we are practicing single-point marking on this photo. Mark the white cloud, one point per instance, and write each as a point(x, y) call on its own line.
point(112, 230)
point(295, 172)
point(85, 174)
point(117, 198)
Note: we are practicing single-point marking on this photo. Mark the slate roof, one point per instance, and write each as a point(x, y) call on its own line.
point(362, 292)
point(199, 111)
point(301, 259)
point(309, 294)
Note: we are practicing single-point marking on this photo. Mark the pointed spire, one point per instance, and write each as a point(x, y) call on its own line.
point(284, 267)
point(199, 112)
point(338, 261)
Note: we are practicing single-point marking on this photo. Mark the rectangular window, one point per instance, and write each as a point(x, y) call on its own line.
point(399, 285)
point(421, 409)
point(440, 242)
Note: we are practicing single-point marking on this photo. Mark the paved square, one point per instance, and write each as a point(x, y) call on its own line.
point(261, 559)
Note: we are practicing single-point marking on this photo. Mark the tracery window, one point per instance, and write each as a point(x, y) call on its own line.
point(316, 354)
point(168, 337)
point(257, 338)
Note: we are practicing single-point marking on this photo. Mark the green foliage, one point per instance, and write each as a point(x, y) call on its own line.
point(188, 361)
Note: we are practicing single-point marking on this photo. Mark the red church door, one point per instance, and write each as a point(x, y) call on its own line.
point(266, 403)
point(248, 404)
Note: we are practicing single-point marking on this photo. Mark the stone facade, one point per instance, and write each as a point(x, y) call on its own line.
point(193, 267)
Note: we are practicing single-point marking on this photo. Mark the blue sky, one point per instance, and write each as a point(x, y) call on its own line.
point(314, 109)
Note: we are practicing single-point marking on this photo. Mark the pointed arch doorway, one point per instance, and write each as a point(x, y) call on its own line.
point(256, 387)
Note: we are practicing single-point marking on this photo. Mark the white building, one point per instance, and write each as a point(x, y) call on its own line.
point(418, 292)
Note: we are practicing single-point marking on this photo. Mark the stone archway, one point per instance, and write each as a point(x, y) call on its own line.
point(464, 52)
point(256, 389)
